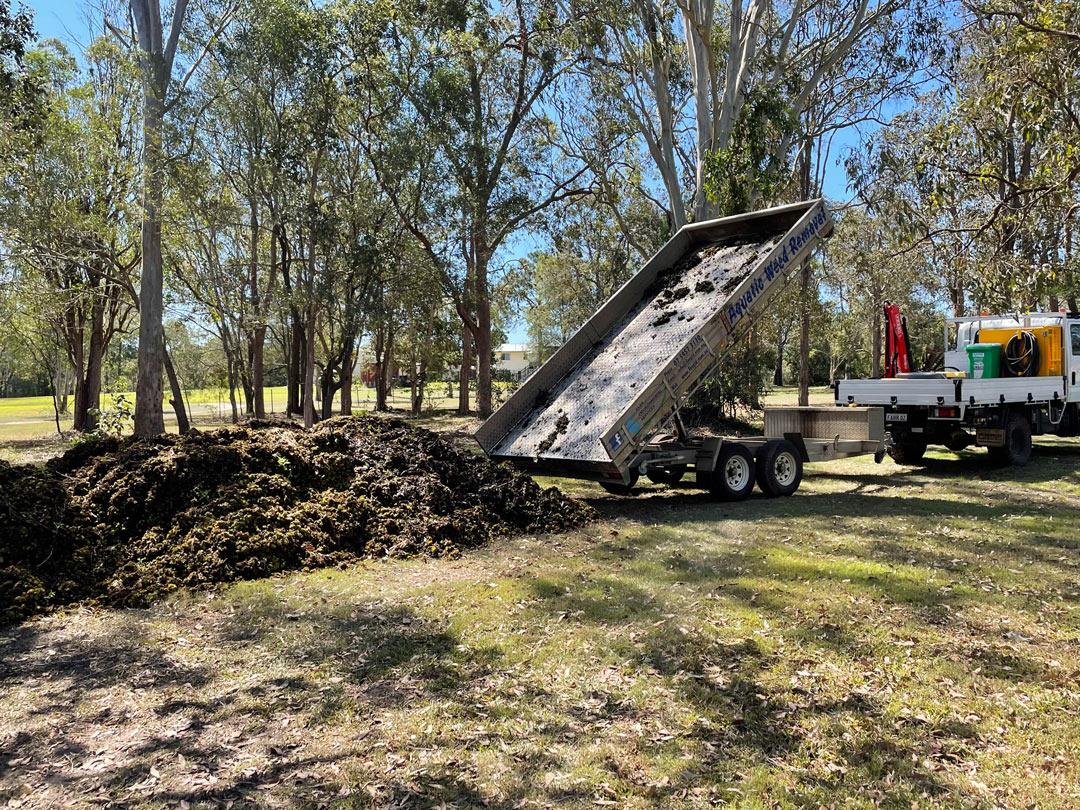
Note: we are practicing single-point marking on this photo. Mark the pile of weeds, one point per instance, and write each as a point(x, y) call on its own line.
point(124, 522)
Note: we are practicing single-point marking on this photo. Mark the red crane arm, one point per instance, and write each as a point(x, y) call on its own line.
point(897, 347)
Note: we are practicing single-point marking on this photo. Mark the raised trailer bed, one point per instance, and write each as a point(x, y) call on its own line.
point(597, 408)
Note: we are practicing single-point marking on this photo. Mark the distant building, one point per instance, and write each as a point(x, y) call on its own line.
point(512, 358)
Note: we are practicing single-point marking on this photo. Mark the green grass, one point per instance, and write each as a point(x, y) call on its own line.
point(888, 636)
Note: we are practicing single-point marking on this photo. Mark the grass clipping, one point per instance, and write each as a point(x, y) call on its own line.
point(124, 522)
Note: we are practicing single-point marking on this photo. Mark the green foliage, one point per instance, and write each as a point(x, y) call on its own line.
point(114, 421)
point(753, 166)
point(981, 176)
point(21, 90)
point(738, 384)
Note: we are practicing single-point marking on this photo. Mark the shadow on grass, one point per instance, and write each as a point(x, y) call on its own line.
point(109, 708)
point(747, 719)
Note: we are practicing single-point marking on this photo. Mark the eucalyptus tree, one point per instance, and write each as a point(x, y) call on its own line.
point(985, 170)
point(20, 91)
point(867, 268)
point(157, 43)
point(687, 72)
point(590, 257)
point(270, 91)
point(205, 251)
point(463, 143)
point(70, 208)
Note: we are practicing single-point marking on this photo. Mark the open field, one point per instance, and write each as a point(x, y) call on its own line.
point(28, 425)
point(888, 635)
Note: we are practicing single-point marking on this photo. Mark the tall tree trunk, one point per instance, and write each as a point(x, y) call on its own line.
point(347, 363)
point(230, 375)
point(326, 393)
point(55, 397)
point(183, 425)
point(778, 369)
point(295, 366)
point(483, 357)
point(245, 385)
point(804, 288)
point(309, 369)
point(80, 406)
point(258, 332)
point(156, 54)
point(149, 418)
point(294, 356)
point(465, 372)
point(95, 358)
point(380, 354)
point(258, 353)
point(384, 362)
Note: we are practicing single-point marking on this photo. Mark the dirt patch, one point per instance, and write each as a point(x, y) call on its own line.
point(123, 523)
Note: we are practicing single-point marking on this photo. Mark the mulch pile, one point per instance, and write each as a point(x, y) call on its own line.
point(124, 522)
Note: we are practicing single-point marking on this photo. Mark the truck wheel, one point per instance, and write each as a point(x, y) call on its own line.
point(908, 451)
point(670, 475)
point(1017, 449)
point(779, 468)
point(733, 478)
point(619, 488)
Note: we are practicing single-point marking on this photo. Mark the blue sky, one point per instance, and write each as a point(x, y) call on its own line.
point(62, 19)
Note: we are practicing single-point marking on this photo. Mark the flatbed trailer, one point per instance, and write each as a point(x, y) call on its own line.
point(955, 411)
point(605, 405)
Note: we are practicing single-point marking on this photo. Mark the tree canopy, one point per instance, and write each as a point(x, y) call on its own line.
point(332, 194)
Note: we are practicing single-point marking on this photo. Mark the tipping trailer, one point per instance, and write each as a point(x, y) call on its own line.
point(605, 405)
point(1035, 391)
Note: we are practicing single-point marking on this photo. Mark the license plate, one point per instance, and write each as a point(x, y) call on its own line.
point(896, 417)
point(990, 437)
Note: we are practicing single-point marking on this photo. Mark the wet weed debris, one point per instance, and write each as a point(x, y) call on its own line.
point(124, 522)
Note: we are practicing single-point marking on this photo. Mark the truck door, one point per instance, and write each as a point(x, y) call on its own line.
point(1073, 369)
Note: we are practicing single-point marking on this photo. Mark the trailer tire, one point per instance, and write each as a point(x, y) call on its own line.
point(908, 451)
point(619, 488)
point(670, 475)
point(779, 468)
point(1017, 449)
point(733, 478)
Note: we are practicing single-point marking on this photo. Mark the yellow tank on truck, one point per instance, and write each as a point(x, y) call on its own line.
point(1048, 338)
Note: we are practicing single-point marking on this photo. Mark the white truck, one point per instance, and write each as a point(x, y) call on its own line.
point(1002, 413)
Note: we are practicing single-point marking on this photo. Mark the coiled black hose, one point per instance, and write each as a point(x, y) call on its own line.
point(1022, 355)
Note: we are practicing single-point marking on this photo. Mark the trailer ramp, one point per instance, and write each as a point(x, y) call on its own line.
point(586, 410)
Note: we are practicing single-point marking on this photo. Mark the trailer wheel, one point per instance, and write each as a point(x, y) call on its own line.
point(733, 478)
point(619, 488)
point(669, 475)
point(1017, 449)
point(779, 468)
point(909, 450)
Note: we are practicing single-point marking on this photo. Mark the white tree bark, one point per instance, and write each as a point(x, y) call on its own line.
point(156, 58)
point(807, 45)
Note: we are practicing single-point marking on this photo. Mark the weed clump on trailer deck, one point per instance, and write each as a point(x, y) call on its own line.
point(125, 522)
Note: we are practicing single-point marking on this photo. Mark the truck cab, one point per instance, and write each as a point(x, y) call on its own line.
point(1073, 326)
